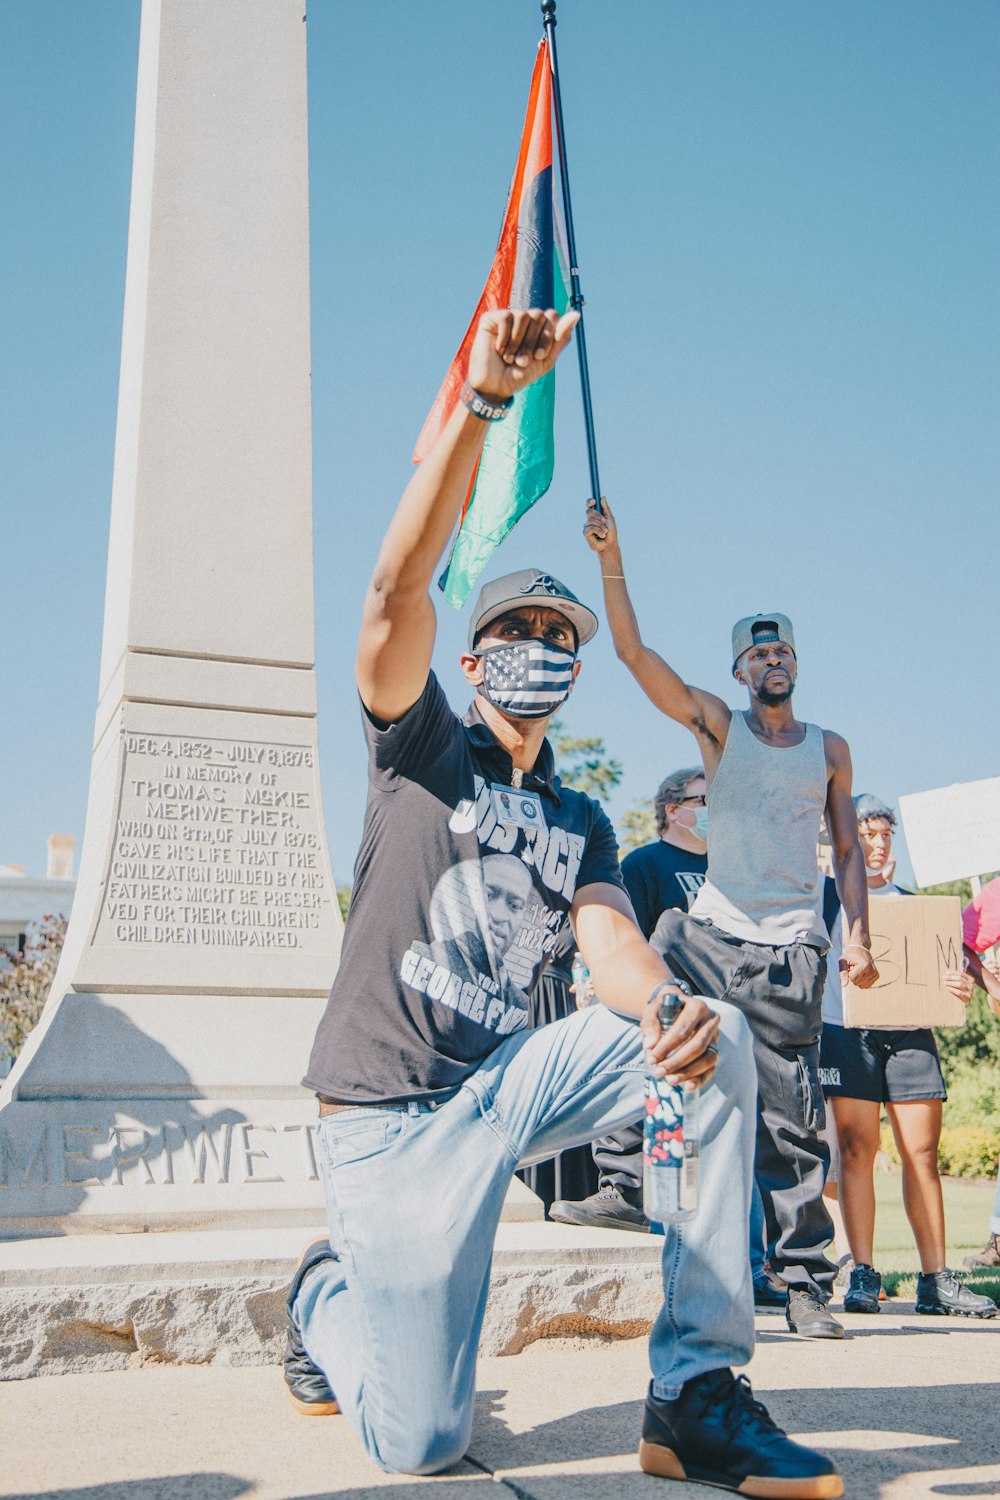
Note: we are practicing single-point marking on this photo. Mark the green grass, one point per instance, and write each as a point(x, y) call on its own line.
point(968, 1207)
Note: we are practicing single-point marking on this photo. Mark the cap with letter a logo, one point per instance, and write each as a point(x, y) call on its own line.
point(530, 586)
point(757, 630)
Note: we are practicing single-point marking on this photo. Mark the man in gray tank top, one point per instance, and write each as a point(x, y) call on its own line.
point(755, 934)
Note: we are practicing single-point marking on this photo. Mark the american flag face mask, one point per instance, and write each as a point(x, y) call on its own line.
point(529, 679)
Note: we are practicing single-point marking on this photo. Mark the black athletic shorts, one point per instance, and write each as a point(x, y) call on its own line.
point(887, 1067)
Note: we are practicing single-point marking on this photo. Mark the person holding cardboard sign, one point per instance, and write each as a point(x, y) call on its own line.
point(755, 933)
point(864, 1068)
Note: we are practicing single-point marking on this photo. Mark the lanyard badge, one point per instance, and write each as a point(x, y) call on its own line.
point(517, 808)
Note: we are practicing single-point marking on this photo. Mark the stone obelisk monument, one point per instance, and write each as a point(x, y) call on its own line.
point(161, 1088)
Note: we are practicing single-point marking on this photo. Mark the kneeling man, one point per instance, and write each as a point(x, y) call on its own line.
point(431, 1089)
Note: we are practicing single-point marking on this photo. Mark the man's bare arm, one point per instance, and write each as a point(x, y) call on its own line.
point(510, 351)
point(626, 973)
point(705, 715)
point(857, 965)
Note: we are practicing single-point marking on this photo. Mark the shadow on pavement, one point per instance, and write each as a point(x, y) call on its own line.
point(765, 1336)
point(162, 1487)
point(449, 1485)
point(228, 1487)
point(921, 1430)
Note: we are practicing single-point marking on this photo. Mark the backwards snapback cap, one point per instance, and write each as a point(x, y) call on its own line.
point(530, 586)
point(757, 630)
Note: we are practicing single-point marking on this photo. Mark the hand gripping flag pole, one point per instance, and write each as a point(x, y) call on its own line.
point(531, 268)
point(576, 294)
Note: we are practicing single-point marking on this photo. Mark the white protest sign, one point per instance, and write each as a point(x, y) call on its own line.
point(953, 831)
point(914, 940)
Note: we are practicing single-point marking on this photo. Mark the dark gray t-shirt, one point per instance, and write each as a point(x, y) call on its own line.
point(658, 876)
point(453, 912)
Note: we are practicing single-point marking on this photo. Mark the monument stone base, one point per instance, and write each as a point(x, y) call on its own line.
point(218, 1298)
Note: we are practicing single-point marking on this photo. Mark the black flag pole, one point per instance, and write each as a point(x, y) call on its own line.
point(576, 295)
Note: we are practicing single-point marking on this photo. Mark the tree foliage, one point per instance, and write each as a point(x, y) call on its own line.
point(637, 827)
point(26, 980)
point(583, 763)
point(960, 888)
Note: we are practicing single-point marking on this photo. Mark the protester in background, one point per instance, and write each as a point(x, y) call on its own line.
point(865, 1068)
point(755, 934)
point(980, 933)
point(665, 873)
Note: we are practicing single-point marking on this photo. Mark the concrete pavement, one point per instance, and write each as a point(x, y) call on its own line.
point(907, 1405)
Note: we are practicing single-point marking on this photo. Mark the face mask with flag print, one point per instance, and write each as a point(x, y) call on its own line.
point(528, 679)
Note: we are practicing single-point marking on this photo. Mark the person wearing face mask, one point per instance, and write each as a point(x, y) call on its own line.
point(755, 933)
point(431, 1087)
point(665, 873)
point(864, 1069)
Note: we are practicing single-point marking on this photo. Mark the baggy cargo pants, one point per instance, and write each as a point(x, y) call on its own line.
point(779, 990)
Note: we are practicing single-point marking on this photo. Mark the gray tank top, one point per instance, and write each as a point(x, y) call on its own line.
point(763, 883)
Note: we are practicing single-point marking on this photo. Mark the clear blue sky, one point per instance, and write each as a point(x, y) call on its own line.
point(787, 224)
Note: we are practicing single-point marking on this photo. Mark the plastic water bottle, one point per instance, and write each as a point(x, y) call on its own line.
point(670, 1142)
point(582, 992)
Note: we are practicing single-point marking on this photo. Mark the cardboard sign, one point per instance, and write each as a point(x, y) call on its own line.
point(953, 831)
point(914, 940)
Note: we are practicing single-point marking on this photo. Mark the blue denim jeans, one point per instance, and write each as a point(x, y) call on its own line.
point(414, 1195)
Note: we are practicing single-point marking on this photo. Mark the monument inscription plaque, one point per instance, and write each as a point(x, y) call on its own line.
point(216, 843)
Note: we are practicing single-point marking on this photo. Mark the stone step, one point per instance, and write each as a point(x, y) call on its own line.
point(110, 1302)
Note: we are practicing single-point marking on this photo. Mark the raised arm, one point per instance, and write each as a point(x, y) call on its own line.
point(857, 964)
point(510, 350)
point(703, 713)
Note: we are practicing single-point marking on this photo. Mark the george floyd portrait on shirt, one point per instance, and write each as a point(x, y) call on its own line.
point(489, 930)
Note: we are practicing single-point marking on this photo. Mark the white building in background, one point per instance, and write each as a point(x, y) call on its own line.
point(26, 899)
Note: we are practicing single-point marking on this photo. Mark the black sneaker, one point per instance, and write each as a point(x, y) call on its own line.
point(608, 1208)
point(990, 1256)
point(862, 1294)
point(307, 1386)
point(717, 1433)
point(769, 1293)
point(945, 1292)
point(807, 1314)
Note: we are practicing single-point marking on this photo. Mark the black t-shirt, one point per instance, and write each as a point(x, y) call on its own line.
point(453, 912)
point(659, 876)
